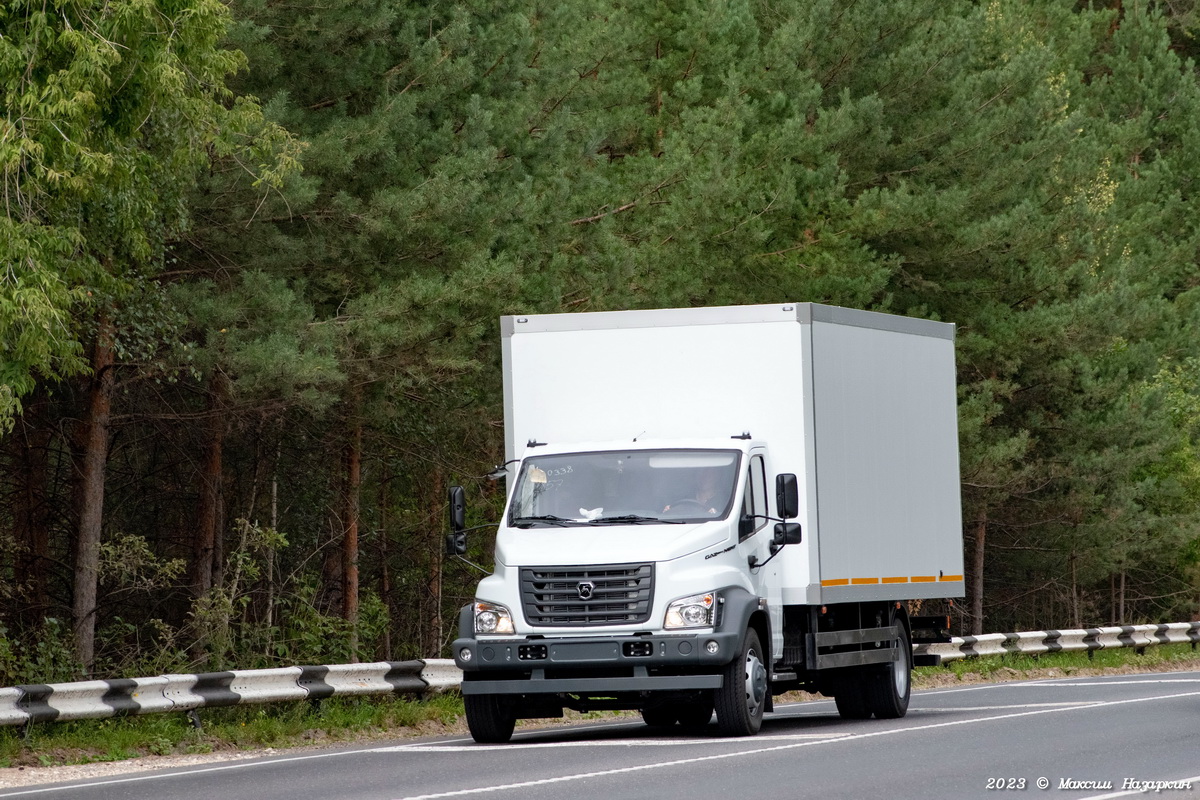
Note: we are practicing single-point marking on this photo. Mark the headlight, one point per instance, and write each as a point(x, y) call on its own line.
point(492, 618)
point(691, 612)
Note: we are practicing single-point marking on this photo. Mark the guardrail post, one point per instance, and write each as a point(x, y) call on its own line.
point(193, 715)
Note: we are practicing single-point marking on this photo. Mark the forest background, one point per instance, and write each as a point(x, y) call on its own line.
point(254, 255)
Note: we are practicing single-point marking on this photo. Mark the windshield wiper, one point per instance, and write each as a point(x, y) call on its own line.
point(634, 519)
point(526, 522)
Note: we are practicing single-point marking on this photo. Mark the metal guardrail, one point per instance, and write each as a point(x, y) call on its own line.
point(1055, 641)
point(22, 705)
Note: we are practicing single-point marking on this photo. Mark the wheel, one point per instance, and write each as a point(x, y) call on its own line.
point(491, 718)
point(660, 716)
point(891, 684)
point(851, 697)
point(695, 714)
point(742, 698)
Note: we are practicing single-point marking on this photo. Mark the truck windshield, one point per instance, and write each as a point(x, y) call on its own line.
point(624, 488)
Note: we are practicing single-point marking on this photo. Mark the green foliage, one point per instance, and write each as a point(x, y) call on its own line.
point(307, 636)
point(223, 623)
point(129, 560)
point(110, 111)
point(43, 655)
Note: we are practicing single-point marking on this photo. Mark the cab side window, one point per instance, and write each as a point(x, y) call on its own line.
point(754, 503)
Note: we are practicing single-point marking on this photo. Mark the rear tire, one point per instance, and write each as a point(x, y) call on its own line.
point(491, 718)
point(743, 695)
point(891, 685)
point(851, 697)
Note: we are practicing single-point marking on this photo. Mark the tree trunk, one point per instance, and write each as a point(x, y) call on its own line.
point(353, 454)
point(1121, 599)
point(1112, 598)
point(1075, 612)
point(31, 508)
point(433, 638)
point(209, 516)
point(977, 574)
point(270, 569)
point(385, 573)
point(333, 580)
point(91, 493)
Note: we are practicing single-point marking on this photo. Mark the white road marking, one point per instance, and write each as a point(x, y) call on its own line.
point(688, 742)
point(978, 688)
point(197, 771)
point(1080, 680)
point(790, 746)
point(1004, 707)
point(999, 708)
point(1057, 682)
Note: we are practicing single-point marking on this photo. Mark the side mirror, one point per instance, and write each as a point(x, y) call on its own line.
point(785, 533)
point(787, 495)
point(456, 540)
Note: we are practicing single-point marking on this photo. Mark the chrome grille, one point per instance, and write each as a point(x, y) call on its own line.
point(620, 594)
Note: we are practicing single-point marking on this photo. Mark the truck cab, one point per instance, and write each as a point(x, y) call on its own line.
point(627, 576)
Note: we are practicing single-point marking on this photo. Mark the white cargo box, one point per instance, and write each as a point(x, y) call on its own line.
point(860, 405)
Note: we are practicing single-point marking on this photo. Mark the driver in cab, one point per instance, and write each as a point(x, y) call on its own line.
point(704, 498)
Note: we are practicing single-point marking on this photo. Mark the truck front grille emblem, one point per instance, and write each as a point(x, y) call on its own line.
point(585, 589)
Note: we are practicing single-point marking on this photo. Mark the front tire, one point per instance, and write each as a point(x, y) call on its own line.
point(742, 698)
point(491, 718)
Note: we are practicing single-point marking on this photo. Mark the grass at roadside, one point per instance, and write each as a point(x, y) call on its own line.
point(276, 725)
point(285, 725)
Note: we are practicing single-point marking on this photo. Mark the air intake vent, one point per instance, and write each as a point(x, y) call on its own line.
point(607, 594)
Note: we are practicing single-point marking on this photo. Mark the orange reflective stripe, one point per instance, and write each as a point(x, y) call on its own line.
point(890, 579)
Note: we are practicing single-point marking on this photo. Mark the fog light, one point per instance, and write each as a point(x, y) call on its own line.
point(465, 654)
point(711, 647)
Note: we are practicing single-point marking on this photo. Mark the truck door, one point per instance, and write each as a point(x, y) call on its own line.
point(756, 542)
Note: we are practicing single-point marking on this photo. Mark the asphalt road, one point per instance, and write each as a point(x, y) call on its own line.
point(1081, 738)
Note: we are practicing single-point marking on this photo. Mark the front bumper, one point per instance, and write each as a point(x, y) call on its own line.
point(603, 665)
point(595, 664)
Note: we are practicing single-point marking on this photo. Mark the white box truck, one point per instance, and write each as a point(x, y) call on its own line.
point(711, 506)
